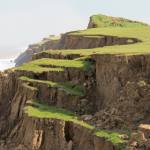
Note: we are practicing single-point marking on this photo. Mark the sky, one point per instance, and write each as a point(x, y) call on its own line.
point(23, 22)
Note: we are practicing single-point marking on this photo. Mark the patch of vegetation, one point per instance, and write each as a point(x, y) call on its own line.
point(108, 21)
point(37, 68)
point(44, 111)
point(141, 33)
point(46, 64)
point(137, 32)
point(114, 137)
point(70, 88)
point(29, 87)
point(83, 58)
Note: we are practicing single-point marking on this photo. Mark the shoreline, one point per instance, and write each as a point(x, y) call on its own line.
point(7, 63)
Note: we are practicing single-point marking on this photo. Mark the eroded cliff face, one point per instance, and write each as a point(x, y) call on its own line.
point(125, 78)
point(117, 98)
point(123, 90)
point(69, 41)
point(19, 131)
point(46, 134)
point(13, 99)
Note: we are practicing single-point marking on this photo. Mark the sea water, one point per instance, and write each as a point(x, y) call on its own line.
point(6, 63)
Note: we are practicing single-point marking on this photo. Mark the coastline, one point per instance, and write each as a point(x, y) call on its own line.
point(7, 63)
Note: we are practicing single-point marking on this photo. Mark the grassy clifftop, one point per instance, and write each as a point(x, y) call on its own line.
point(100, 20)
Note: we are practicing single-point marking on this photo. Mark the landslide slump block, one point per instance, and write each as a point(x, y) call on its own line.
point(71, 74)
point(64, 95)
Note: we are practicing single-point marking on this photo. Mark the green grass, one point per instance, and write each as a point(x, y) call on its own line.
point(30, 87)
point(46, 64)
point(108, 21)
point(114, 137)
point(37, 68)
point(137, 32)
point(44, 111)
point(141, 48)
point(62, 63)
point(70, 88)
point(141, 33)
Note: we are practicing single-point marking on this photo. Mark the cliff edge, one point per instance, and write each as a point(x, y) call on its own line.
point(90, 92)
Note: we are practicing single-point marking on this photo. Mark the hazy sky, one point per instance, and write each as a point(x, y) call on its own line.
point(26, 21)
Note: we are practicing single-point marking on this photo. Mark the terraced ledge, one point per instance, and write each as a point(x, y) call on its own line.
point(37, 69)
point(68, 87)
point(26, 85)
point(85, 34)
point(141, 33)
point(37, 110)
point(46, 64)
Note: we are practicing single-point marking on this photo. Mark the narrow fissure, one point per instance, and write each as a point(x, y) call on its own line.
point(68, 132)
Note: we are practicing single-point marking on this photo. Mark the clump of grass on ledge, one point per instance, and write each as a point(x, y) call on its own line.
point(114, 137)
point(70, 88)
point(36, 68)
point(46, 64)
point(44, 111)
point(29, 87)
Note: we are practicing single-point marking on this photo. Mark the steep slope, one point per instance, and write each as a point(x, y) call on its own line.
point(91, 96)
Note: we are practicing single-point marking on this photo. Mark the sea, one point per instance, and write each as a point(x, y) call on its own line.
point(8, 54)
point(6, 63)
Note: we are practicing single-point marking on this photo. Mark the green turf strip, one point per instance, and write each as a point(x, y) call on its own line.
point(70, 88)
point(46, 64)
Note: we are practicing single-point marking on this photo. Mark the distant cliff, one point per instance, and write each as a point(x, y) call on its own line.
point(45, 44)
